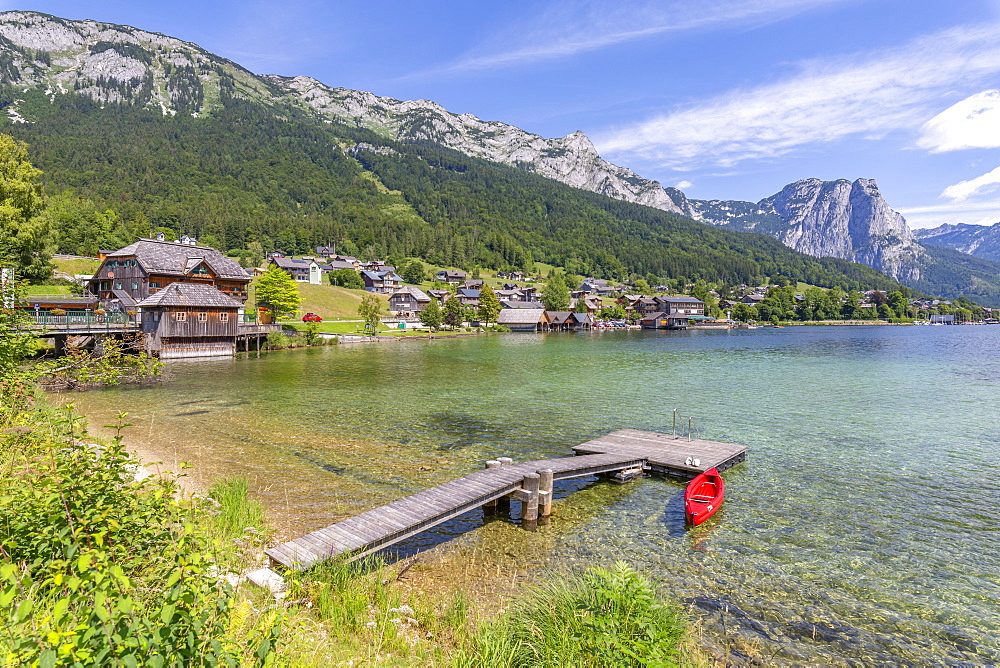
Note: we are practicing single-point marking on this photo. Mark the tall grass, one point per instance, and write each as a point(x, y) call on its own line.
point(604, 617)
point(236, 510)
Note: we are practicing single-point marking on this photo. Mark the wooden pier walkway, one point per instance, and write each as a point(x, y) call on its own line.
point(529, 482)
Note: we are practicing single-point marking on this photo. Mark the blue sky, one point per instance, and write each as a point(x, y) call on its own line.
point(729, 99)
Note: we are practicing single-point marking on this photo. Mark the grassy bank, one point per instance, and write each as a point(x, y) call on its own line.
point(99, 568)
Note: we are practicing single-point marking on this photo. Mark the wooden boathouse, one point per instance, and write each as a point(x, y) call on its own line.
point(190, 320)
point(622, 454)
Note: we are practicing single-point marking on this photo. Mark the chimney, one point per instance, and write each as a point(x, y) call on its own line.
point(159, 236)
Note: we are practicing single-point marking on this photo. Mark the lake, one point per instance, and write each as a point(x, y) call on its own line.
point(864, 526)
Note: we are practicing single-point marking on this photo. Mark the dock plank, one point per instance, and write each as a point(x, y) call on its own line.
point(379, 527)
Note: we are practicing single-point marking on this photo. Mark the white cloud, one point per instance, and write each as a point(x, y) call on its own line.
point(974, 213)
point(972, 123)
point(868, 96)
point(683, 185)
point(979, 185)
point(574, 26)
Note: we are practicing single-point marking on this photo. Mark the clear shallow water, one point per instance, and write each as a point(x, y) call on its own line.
point(864, 526)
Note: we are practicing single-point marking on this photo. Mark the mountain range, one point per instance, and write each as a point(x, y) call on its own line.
point(978, 240)
point(122, 70)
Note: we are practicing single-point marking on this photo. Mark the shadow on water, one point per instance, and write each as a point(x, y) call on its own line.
point(457, 430)
point(474, 519)
point(329, 468)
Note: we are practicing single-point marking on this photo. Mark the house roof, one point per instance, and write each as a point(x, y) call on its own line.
point(417, 293)
point(469, 293)
point(124, 297)
point(189, 294)
point(513, 303)
point(520, 316)
point(169, 257)
point(676, 300)
point(381, 276)
point(334, 265)
point(654, 316)
point(291, 263)
point(559, 317)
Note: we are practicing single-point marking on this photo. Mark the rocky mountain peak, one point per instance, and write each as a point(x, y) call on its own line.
point(843, 219)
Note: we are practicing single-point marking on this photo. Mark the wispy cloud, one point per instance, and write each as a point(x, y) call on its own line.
point(972, 123)
point(981, 184)
point(572, 27)
point(984, 212)
point(869, 95)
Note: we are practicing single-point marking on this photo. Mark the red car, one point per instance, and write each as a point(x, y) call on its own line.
point(311, 317)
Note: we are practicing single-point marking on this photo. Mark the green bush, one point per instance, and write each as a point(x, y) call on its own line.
point(312, 334)
point(278, 340)
point(100, 569)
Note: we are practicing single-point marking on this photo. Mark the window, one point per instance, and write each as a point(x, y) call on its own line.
point(181, 316)
point(135, 285)
point(223, 317)
point(118, 285)
point(202, 317)
point(154, 284)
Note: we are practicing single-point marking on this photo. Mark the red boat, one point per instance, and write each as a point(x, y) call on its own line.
point(703, 496)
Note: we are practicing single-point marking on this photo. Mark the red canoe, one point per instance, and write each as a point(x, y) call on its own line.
point(703, 496)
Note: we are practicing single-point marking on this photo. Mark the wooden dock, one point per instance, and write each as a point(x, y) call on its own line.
point(501, 480)
point(667, 454)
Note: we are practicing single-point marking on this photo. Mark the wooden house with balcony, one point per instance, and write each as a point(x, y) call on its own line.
point(383, 282)
point(190, 320)
point(130, 275)
point(408, 301)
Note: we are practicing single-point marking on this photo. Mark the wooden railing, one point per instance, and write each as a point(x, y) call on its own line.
point(82, 318)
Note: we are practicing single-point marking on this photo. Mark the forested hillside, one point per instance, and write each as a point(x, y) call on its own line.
point(245, 174)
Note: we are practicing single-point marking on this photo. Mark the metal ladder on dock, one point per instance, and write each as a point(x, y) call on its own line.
point(692, 426)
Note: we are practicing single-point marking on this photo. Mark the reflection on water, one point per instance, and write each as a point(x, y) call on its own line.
point(863, 527)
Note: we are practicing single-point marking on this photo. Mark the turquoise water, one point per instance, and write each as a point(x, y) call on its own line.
point(862, 528)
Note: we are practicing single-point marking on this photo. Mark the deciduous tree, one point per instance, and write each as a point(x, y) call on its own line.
point(414, 273)
point(454, 312)
point(346, 278)
point(370, 310)
point(489, 305)
point(277, 292)
point(432, 315)
point(555, 293)
point(26, 237)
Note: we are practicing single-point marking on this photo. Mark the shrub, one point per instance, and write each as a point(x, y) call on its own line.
point(278, 340)
point(101, 569)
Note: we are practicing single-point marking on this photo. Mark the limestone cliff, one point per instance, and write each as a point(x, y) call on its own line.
point(851, 221)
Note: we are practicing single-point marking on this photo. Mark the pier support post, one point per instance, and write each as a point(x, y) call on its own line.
point(545, 492)
point(529, 507)
point(490, 507)
point(503, 503)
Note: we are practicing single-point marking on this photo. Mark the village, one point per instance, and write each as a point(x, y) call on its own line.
point(189, 300)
